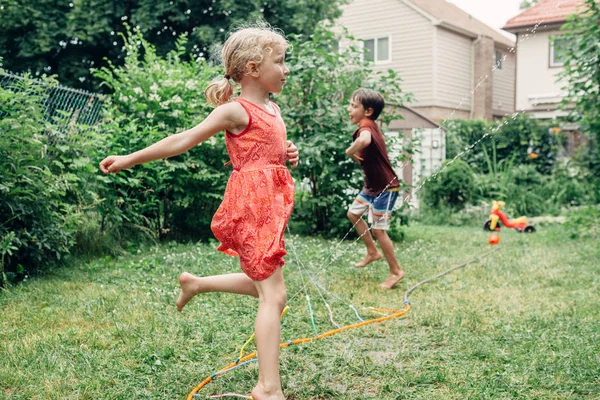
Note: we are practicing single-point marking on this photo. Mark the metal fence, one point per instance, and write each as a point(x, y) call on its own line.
point(63, 106)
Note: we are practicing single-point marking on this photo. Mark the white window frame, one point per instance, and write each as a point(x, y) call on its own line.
point(551, 62)
point(338, 46)
point(498, 58)
point(375, 39)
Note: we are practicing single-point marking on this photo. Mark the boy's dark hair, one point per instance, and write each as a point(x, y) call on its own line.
point(369, 98)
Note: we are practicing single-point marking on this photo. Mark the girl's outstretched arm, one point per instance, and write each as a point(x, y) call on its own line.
point(228, 116)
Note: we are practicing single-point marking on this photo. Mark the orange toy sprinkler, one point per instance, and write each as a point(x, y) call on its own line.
point(494, 239)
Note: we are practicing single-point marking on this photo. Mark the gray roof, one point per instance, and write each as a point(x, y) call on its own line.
point(452, 17)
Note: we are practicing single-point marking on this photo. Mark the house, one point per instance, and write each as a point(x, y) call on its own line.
point(538, 90)
point(430, 155)
point(454, 65)
point(539, 62)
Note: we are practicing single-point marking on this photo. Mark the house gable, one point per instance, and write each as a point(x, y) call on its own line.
point(410, 34)
point(538, 89)
point(435, 52)
point(549, 13)
point(453, 18)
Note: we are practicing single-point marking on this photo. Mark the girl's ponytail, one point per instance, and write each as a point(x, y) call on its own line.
point(219, 92)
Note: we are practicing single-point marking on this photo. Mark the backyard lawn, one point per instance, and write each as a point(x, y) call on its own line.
point(521, 323)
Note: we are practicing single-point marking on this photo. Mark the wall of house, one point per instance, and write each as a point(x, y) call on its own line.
point(483, 82)
point(440, 114)
point(453, 71)
point(536, 80)
point(411, 36)
point(503, 95)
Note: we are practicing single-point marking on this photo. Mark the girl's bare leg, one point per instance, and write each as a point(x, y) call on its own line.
point(231, 283)
point(271, 301)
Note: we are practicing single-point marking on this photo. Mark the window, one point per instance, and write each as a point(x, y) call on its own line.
point(558, 50)
point(498, 59)
point(377, 49)
point(370, 49)
point(383, 49)
point(335, 48)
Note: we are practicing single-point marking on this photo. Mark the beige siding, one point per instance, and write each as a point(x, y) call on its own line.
point(454, 70)
point(411, 36)
point(539, 90)
point(503, 100)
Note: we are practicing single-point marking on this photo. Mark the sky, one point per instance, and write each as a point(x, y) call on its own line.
point(494, 13)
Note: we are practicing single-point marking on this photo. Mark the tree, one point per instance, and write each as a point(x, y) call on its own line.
point(581, 75)
point(527, 3)
point(177, 197)
point(314, 104)
point(67, 39)
point(152, 97)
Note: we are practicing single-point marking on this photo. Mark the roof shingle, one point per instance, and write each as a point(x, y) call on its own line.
point(446, 11)
point(546, 12)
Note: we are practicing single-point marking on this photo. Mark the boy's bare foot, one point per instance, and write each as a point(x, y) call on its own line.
point(259, 393)
point(190, 286)
point(392, 280)
point(369, 258)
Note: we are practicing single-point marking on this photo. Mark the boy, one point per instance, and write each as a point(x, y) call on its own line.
point(381, 183)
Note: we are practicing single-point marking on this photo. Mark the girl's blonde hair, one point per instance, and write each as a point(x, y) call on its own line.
point(243, 46)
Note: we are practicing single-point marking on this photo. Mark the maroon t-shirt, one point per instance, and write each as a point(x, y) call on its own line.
point(377, 169)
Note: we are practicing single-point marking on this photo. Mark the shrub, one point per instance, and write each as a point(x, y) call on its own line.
point(314, 104)
point(154, 97)
point(568, 186)
point(45, 186)
point(513, 139)
point(583, 222)
point(453, 186)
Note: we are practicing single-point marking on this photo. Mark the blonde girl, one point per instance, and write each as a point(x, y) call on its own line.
point(259, 197)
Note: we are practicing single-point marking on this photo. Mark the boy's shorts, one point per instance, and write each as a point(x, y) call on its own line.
point(380, 208)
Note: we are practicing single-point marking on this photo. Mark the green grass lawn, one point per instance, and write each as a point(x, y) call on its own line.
point(522, 323)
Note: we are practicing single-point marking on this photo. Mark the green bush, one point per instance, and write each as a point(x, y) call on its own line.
point(583, 222)
point(452, 187)
point(499, 153)
point(528, 192)
point(399, 220)
point(444, 215)
point(314, 104)
point(587, 163)
point(46, 185)
point(154, 97)
point(178, 197)
point(524, 193)
point(568, 186)
point(513, 139)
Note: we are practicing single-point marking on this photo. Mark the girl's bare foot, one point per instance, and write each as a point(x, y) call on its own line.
point(190, 286)
point(259, 393)
point(369, 258)
point(392, 280)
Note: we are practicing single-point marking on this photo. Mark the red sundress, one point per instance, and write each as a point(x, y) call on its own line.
point(259, 196)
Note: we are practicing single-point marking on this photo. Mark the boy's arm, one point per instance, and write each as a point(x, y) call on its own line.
point(228, 116)
point(362, 141)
